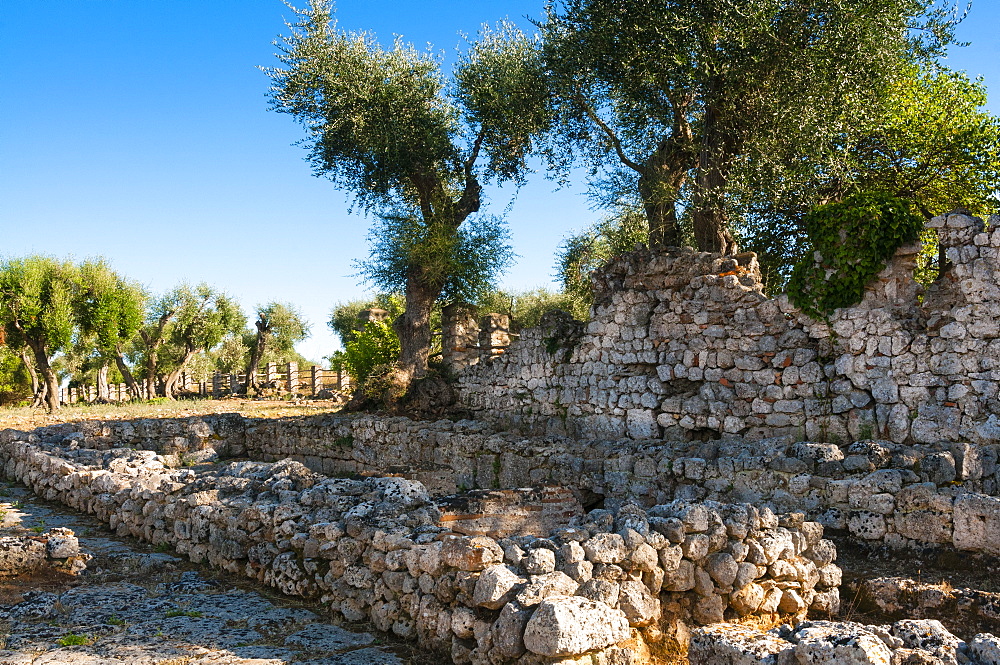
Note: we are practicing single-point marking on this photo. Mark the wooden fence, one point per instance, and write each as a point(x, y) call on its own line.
point(279, 379)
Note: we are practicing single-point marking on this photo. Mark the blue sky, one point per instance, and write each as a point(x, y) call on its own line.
point(139, 131)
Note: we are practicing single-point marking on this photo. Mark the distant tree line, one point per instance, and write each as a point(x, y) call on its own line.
point(86, 323)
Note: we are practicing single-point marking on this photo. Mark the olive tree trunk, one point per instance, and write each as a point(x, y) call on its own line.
point(170, 382)
point(414, 329)
point(103, 388)
point(49, 378)
point(133, 387)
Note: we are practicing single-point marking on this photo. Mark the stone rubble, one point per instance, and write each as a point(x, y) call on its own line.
point(877, 491)
point(610, 585)
point(906, 642)
point(56, 550)
point(898, 597)
point(131, 607)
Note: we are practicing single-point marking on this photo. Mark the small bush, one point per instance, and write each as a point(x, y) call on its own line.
point(375, 346)
point(74, 640)
point(851, 242)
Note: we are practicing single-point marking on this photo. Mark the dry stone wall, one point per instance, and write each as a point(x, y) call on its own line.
point(685, 345)
point(878, 491)
point(615, 587)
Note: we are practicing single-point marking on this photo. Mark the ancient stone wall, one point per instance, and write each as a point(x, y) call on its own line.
point(884, 493)
point(685, 346)
point(616, 586)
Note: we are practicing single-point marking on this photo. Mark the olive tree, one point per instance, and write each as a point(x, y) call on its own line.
point(181, 324)
point(664, 97)
point(414, 149)
point(37, 295)
point(928, 140)
point(110, 312)
point(279, 326)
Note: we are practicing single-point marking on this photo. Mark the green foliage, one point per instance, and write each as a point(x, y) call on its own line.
point(344, 316)
point(37, 294)
point(669, 99)
point(852, 241)
point(581, 254)
point(526, 308)
point(375, 346)
point(926, 139)
point(74, 640)
point(15, 384)
point(110, 309)
point(504, 71)
point(465, 261)
point(384, 125)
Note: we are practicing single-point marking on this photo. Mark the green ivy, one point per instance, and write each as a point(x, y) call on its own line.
point(851, 242)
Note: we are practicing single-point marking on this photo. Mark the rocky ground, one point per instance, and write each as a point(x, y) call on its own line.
point(136, 606)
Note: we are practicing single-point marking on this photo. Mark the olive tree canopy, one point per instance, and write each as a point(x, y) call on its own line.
point(414, 149)
point(662, 97)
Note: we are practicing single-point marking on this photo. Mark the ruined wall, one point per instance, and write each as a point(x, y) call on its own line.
point(615, 585)
point(878, 491)
point(685, 345)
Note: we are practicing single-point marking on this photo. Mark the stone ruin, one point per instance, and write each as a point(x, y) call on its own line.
point(661, 480)
point(685, 345)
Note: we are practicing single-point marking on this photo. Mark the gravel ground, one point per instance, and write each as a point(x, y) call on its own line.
point(137, 606)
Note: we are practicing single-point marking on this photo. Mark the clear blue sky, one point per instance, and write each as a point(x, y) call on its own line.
point(138, 131)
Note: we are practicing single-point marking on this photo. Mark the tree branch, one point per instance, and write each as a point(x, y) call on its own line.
point(615, 142)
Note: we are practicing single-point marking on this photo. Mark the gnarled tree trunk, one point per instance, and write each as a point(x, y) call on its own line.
point(256, 353)
point(37, 395)
point(719, 144)
point(49, 377)
point(133, 388)
point(414, 328)
point(170, 382)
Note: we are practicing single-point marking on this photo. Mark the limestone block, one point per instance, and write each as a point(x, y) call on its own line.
point(985, 649)
point(573, 625)
point(62, 544)
point(496, 586)
point(730, 644)
point(539, 561)
point(507, 632)
point(639, 605)
point(748, 599)
point(867, 525)
point(927, 635)
point(925, 526)
point(605, 548)
point(977, 523)
point(723, 568)
point(471, 553)
point(825, 642)
point(546, 586)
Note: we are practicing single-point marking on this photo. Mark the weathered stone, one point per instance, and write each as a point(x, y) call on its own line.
point(977, 523)
point(574, 625)
point(640, 607)
point(729, 644)
point(496, 586)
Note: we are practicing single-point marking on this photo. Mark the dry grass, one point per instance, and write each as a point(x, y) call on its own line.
point(27, 418)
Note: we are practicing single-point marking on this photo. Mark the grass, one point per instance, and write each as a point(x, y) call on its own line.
point(184, 613)
point(115, 620)
point(74, 640)
point(29, 418)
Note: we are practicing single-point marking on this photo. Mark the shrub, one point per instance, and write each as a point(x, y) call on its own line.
point(851, 242)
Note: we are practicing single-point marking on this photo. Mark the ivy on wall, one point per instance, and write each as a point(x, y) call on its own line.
point(851, 241)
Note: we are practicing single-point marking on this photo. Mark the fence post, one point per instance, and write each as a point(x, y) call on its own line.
point(293, 378)
point(316, 379)
point(270, 373)
point(216, 385)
